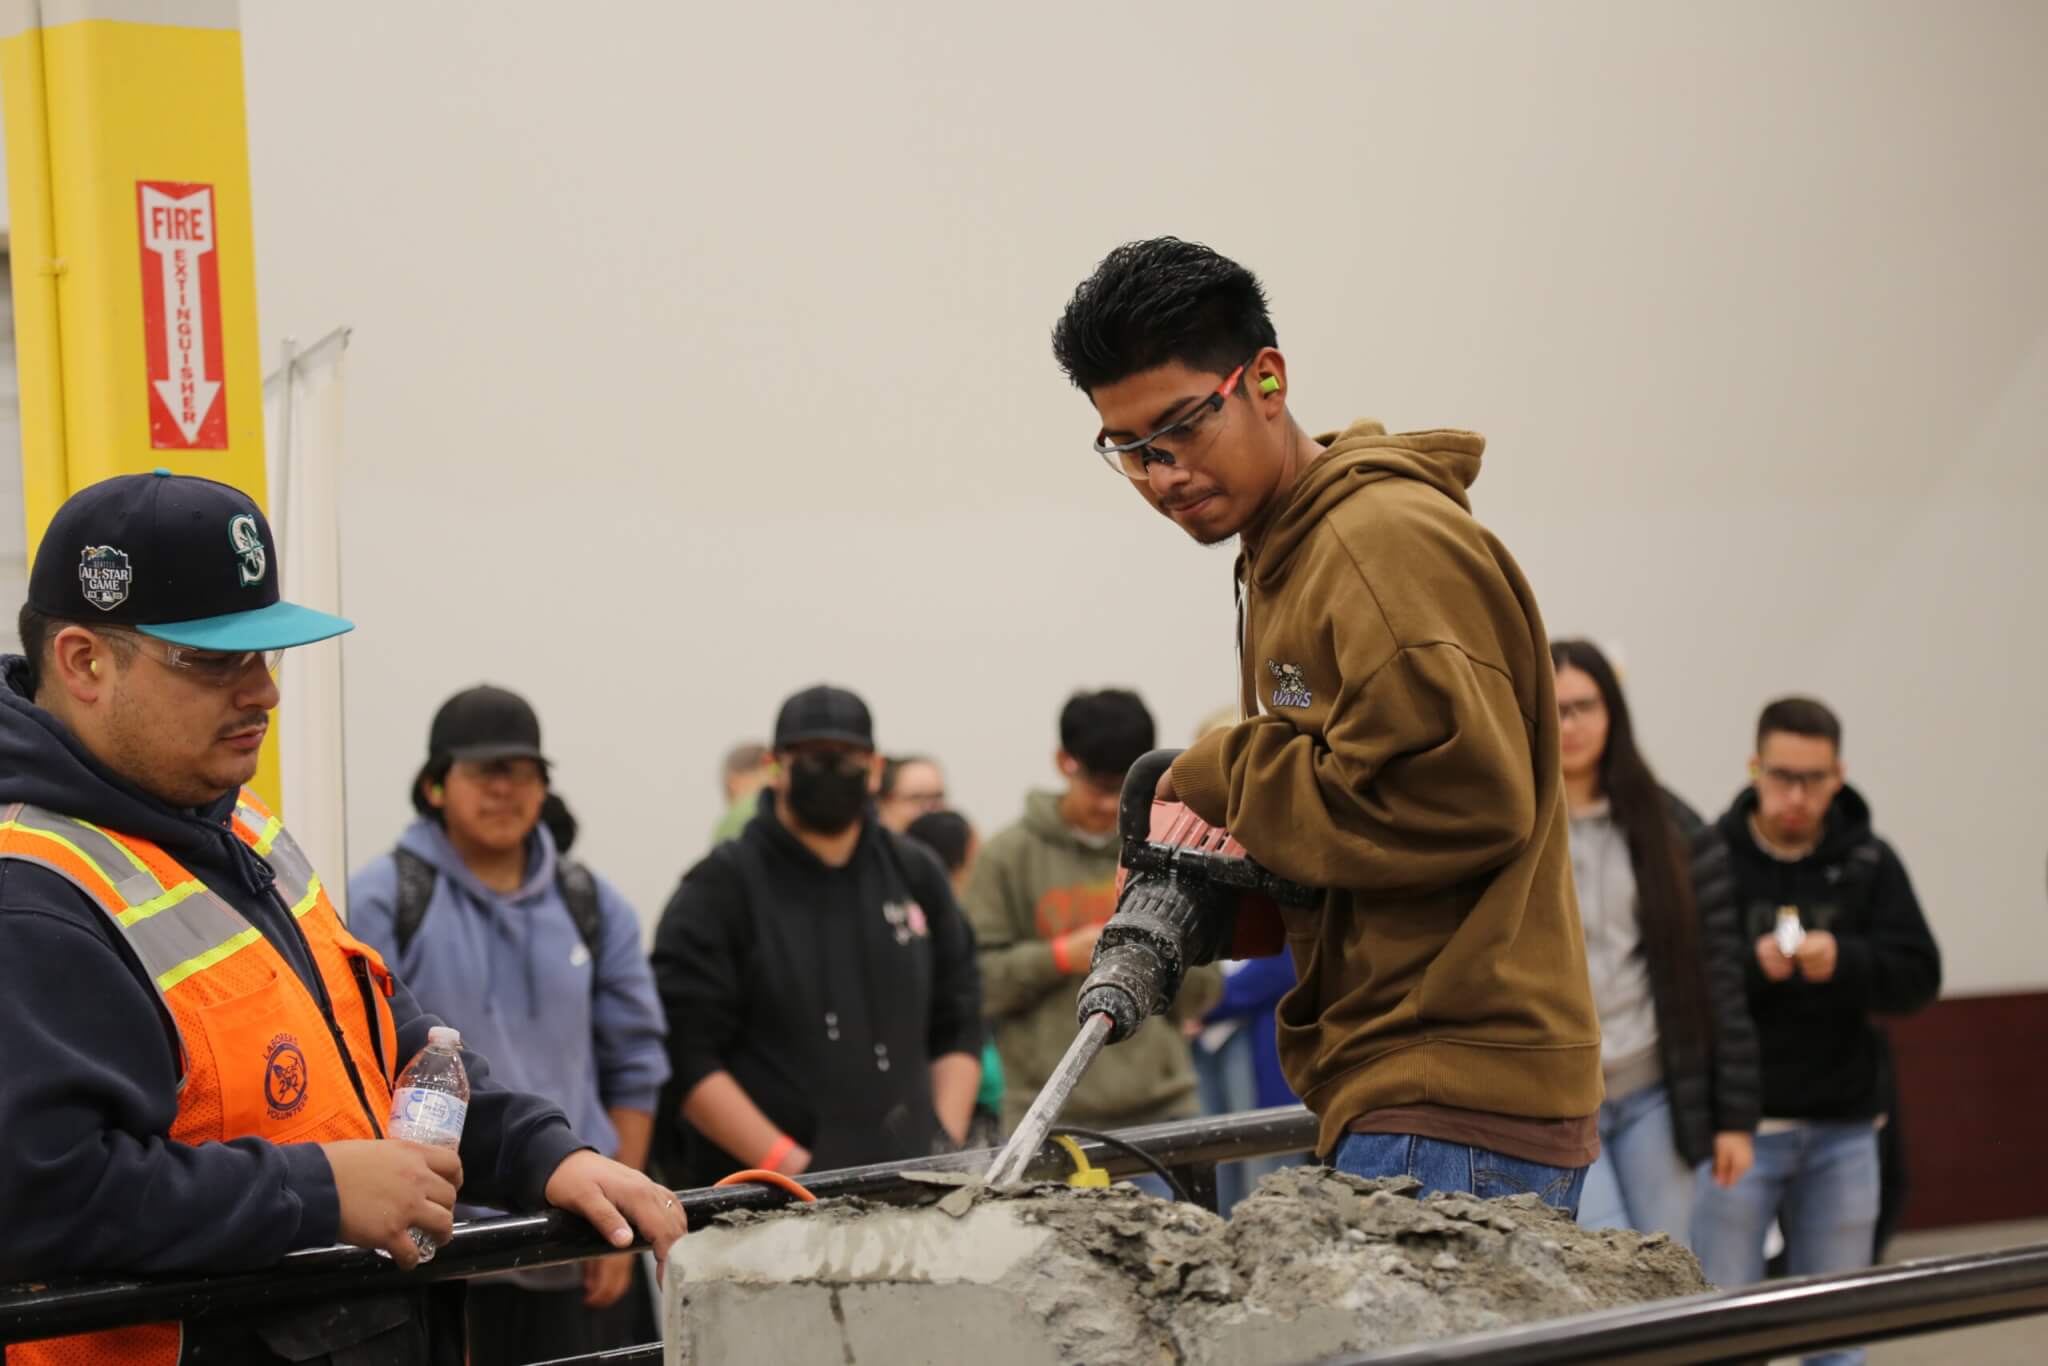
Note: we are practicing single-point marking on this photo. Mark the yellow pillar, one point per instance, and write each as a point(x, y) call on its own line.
point(133, 255)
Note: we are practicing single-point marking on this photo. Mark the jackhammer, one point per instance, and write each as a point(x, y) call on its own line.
point(1189, 895)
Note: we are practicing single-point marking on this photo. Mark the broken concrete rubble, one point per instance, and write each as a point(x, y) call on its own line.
point(1313, 1264)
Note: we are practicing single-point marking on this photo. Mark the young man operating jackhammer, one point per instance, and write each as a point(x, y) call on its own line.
point(1401, 749)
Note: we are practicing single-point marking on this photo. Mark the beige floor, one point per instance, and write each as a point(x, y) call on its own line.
point(2018, 1342)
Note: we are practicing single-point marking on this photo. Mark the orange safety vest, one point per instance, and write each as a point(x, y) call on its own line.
point(257, 1058)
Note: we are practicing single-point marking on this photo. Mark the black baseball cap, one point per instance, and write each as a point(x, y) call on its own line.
point(484, 723)
point(184, 559)
point(824, 712)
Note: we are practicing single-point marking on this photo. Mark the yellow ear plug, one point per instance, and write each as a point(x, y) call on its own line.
point(1270, 385)
point(93, 667)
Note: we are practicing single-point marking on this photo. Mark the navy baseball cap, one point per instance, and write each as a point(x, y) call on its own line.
point(184, 559)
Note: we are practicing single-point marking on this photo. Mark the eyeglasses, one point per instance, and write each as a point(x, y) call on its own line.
point(1583, 709)
point(1787, 779)
point(214, 668)
point(1184, 438)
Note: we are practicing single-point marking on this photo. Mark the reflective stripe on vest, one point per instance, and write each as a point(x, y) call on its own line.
point(257, 1057)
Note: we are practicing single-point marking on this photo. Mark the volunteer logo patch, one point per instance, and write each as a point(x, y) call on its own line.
point(284, 1078)
point(1290, 688)
point(248, 544)
point(104, 576)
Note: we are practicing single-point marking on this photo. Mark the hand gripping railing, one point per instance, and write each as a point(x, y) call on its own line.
point(1191, 1148)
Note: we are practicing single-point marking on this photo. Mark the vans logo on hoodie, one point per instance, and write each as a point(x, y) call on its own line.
point(1290, 688)
point(907, 919)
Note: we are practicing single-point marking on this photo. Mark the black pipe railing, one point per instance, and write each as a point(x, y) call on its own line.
point(536, 1240)
point(1783, 1318)
point(1778, 1318)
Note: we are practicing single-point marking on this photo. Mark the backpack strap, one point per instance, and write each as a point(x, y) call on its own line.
point(417, 879)
point(578, 886)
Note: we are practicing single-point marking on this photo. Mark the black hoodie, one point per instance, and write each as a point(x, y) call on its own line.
point(89, 1181)
point(762, 943)
point(1822, 1055)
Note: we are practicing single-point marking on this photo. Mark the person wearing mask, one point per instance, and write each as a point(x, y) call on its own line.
point(823, 1005)
point(912, 786)
point(1835, 936)
point(200, 1054)
point(1041, 893)
point(1399, 740)
point(1657, 900)
point(538, 961)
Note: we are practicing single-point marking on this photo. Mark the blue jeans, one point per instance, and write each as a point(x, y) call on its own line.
point(1820, 1183)
point(1640, 1181)
point(1458, 1167)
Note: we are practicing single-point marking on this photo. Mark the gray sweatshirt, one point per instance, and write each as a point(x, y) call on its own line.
point(1615, 960)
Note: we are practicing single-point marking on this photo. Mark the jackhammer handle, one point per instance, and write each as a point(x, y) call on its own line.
point(1141, 785)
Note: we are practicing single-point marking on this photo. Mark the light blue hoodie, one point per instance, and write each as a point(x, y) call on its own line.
point(510, 972)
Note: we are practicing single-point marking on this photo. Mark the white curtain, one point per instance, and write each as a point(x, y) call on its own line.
point(302, 413)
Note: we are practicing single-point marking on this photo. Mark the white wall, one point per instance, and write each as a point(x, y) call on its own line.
point(701, 353)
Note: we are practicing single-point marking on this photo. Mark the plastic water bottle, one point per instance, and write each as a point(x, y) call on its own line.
point(430, 1102)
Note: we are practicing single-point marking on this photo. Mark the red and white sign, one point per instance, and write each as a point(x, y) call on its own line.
point(188, 409)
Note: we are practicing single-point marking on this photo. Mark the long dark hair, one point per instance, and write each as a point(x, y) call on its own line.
point(1665, 908)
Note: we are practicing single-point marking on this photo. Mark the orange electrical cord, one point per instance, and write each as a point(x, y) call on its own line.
point(756, 1176)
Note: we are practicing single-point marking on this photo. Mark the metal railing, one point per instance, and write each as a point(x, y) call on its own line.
point(1779, 1318)
point(1191, 1148)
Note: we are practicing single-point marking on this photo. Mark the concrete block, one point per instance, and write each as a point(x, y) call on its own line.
point(1313, 1264)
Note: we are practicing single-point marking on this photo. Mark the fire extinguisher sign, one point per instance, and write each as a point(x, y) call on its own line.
point(188, 407)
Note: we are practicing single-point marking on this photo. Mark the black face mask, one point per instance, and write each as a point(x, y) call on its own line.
point(827, 795)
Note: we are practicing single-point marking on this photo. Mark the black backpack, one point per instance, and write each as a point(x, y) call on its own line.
point(577, 884)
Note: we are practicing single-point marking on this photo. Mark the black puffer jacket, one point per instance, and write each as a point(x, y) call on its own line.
point(1721, 1090)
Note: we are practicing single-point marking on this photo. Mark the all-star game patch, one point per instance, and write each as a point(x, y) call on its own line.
point(104, 576)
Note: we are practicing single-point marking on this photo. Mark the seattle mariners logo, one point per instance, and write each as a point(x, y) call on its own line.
point(284, 1077)
point(1290, 688)
point(104, 576)
point(248, 544)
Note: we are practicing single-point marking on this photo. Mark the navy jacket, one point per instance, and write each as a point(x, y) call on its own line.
point(88, 1179)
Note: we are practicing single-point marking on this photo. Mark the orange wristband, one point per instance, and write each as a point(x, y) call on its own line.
point(779, 1149)
point(1060, 959)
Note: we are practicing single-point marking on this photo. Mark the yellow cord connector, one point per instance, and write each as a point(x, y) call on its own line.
point(1084, 1176)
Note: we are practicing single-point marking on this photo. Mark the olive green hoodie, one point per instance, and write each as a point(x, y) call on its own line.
point(1034, 882)
point(1402, 751)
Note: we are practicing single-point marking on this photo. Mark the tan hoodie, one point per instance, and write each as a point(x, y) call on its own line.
point(1402, 750)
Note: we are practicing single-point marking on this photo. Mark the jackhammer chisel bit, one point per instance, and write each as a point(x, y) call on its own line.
point(1178, 908)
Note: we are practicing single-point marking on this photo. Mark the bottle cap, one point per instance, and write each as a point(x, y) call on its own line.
point(441, 1036)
